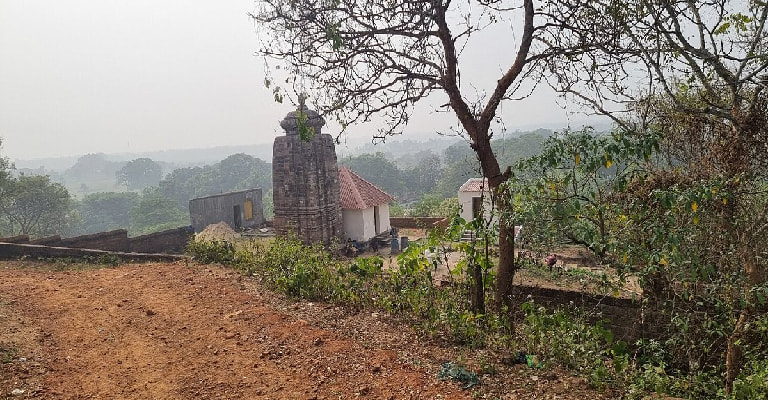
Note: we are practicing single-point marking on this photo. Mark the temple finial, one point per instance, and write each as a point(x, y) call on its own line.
point(302, 100)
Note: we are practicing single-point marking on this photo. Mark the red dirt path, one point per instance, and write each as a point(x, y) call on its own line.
point(176, 332)
point(165, 331)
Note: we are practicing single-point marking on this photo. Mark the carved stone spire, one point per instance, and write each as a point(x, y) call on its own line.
point(291, 125)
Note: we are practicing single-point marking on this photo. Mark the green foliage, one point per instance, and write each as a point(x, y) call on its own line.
point(92, 173)
point(396, 209)
point(35, 206)
point(139, 174)
point(752, 384)
point(306, 132)
point(299, 271)
point(236, 172)
point(566, 339)
point(569, 190)
point(102, 212)
point(211, 251)
point(378, 170)
point(427, 206)
point(155, 213)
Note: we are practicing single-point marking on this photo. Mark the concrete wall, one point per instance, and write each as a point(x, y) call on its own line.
point(353, 223)
point(383, 218)
point(213, 209)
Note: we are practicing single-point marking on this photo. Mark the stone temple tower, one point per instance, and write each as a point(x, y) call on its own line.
point(305, 182)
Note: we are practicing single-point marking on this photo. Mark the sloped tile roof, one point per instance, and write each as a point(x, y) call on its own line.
point(359, 194)
point(474, 185)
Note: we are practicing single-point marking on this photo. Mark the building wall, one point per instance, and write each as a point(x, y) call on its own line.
point(465, 201)
point(360, 225)
point(213, 209)
point(383, 216)
point(354, 225)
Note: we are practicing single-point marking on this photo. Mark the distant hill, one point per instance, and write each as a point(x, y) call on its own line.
point(170, 159)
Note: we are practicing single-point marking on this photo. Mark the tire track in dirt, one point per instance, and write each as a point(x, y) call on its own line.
point(168, 331)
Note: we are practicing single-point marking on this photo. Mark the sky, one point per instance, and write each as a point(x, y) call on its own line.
point(117, 76)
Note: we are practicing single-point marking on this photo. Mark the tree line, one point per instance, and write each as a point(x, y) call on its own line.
point(38, 204)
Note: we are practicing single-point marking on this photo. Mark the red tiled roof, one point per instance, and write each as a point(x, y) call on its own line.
point(474, 185)
point(359, 194)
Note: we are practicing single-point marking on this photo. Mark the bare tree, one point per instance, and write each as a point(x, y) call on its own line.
point(363, 58)
point(705, 61)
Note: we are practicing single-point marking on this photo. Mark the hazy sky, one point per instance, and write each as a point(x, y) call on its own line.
point(87, 76)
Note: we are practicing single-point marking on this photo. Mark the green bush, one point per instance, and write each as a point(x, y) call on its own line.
point(211, 251)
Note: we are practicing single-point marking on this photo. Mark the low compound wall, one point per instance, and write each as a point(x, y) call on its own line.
point(418, 222)
point(116, 240)
point(16, 239)
point(626, 319)
point(15, 251)
point(172, 241)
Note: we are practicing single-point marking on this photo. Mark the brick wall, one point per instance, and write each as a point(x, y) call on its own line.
point(116, 240)
point(16, 239)
point(172, 241)
point(48, 241)
point(14, 251)
point(418, 222)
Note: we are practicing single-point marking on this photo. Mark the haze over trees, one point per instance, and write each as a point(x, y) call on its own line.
point(139, 174)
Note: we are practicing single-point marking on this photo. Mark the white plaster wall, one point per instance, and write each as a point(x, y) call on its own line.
point(383, 219)
point(360, 225)
point(353, 224)
point(369, 229)
point(465, 201)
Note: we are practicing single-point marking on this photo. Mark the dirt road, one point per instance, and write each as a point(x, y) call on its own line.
point(172, 331)
point(178, 332)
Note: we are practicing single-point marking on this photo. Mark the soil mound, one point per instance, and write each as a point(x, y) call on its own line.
point(219, 231)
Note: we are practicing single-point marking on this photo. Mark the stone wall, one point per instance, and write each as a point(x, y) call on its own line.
point(305, 183)
point(54, 240)
point(16, 239)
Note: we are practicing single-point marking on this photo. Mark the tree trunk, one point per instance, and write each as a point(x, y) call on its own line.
point(506, 270)
point(477, 289)
point(733, 353)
